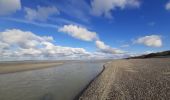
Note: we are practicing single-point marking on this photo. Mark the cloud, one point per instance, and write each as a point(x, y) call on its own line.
point(148, 52)
point(3, 45)
point(151, 41)
point(102, 55)
point(39, 24)
point(104, 7)
point(9, 6)
point(86, 35)
point(78, 9)
point(107, 49)
point(41, 13)
point(78, 32)
point(17, 44)
point(22, 39)
point(25, 44)
point(167, 6)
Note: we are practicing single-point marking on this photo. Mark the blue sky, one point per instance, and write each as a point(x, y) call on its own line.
point(83, 28)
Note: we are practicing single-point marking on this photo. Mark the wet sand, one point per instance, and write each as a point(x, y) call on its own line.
point(11, 67)
point(134, 79)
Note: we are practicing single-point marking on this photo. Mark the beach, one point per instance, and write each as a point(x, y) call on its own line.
point(16, 66)
point(133, 79)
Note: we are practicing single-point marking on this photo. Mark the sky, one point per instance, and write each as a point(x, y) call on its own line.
point(82, 29)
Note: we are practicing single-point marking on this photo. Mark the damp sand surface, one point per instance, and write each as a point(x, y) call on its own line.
point(18, 66)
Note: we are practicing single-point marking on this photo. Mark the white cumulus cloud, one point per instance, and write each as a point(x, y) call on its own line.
point(17, 44)
point(151, 41)
point(79, 32)
point(86, 35)
point(41, 13)
point(15, 37)
point(104, 7)
point(25, 44)
point(107, 49)
point(167, 6)
point(9, 6)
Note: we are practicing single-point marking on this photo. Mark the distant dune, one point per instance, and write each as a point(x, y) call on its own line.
point(153, 55)
point(133, 79)
point(10, 67)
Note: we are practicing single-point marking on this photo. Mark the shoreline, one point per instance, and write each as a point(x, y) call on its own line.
point(13, 67)
point(87, 86)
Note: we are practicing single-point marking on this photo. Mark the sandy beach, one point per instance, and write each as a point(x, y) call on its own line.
point(133, 79)
point(11, 67)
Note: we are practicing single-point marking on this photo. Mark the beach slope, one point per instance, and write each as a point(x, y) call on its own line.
point(133, 79)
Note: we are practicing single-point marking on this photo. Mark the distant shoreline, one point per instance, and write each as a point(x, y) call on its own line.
point(12, 67)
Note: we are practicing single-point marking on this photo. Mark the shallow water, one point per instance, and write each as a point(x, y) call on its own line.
point(63, 82)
